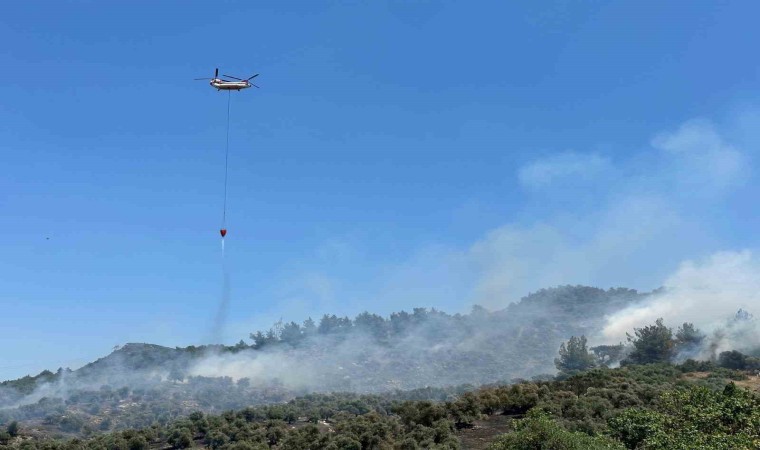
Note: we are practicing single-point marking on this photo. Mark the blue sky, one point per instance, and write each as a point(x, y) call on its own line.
point(398, 154)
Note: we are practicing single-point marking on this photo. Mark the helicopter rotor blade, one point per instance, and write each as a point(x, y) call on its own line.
point(230, 76)
point(216, 73)
point(254, 85)
point(203, 78)
point(252, 77)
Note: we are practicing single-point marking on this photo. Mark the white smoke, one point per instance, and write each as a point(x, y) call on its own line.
point(259, 367)
point(707, 293)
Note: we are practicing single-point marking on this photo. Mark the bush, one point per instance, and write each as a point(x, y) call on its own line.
point(538, 431)
point(732, 360)
point(695, 418)
point(181, 438)
point(634, 425)
point(137, 443)
point(13, 429)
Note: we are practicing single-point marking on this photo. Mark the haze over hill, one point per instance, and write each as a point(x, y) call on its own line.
point(369, 354)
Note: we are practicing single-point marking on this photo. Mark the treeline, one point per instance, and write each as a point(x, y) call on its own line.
point(26, 385)
point(649, 406)
point(398, 325)
point(564, 304)
point(479, 347)
point(530, 326)
point(652, 344)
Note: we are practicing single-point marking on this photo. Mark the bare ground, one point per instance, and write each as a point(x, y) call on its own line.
point(752, 382)
point(485, 431)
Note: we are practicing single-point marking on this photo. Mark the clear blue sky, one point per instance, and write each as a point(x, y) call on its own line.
point(398, 154)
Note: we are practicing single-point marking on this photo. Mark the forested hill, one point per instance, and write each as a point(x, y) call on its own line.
point(367, 354)
point(529, 330)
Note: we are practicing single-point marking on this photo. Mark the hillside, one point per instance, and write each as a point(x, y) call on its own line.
point(139, 384)
point(634, 407)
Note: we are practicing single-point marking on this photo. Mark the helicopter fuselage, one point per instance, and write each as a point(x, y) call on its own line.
point(223, 85)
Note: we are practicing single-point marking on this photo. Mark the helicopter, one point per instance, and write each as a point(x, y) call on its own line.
point(229, 85)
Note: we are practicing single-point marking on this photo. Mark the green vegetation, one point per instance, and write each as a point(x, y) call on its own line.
point(693, 419)
point(652, 344)
point(539, 431)
point(658, 406)
point(142, 384)
point(574, 357)
point(647, 403)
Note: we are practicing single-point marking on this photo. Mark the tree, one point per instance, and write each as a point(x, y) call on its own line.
point(465, 410)
point(13, 429)
point(651, 344)
point(137, 443)
point(688, 338)
point(732, 360)
point(372, 324)
point(291, 333)
point(574, 356)
point(273, 335)
point(216, 439)
point(105, 424)
point(243, 445)
point(327, 324)
point(71, 423)
point(345, 443)
point(607, 355)
point(331, 324)
point(309, 327)
point(176, 374)
point(259, 340)
point(692, 418)
point(539, 431)
point(635, 425)
point(123, 392)
point(181, 438)
point(400, 322)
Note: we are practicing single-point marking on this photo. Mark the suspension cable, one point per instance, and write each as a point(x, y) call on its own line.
point(226, 159)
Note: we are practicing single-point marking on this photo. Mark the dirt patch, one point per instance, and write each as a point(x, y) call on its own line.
point(752, 383)
point(697, 375)
point(485, 431)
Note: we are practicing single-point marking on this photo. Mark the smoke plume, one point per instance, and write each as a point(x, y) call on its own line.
point(707, 293)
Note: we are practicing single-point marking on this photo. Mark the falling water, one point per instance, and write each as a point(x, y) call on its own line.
point(224, 303)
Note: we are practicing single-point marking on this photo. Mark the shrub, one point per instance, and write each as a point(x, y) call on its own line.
point(538, 431)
